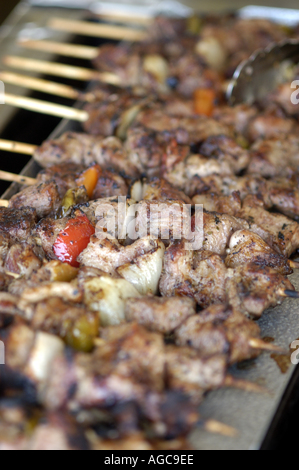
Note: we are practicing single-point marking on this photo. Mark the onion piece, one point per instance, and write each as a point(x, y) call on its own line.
point(145, 272)
point(107, 296)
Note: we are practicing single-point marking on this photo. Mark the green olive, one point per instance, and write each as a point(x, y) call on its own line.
point(81, 335)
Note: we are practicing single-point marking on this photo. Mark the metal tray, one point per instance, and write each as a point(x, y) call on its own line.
point(251, 414)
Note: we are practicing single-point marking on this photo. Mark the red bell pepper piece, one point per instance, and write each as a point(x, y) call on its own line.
point(73, 239)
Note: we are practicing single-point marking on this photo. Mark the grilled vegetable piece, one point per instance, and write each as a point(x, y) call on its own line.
point(107, 296)
point(74, 239)
point(89, 179)
point(72, 198)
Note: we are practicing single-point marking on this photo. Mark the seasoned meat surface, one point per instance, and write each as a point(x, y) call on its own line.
point(163, 315)
point(44, 198)
point(17, 223)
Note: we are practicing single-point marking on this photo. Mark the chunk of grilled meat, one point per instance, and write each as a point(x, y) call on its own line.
point(247, 247)
point(237, 117)
point(203, 276)
point(224, 148)
point(218, 229)
point(18, 223)
point(186, 277)
point(157, 189)
point(211, 202)
point(275, 157)
point(46, 232)
point(252, 290)
point(194, 375)
point(162, 315)
point(146, 148)
point(197, 129)
point(280, 232)
point(84, 149)
point(219, 155)
point(44, 198)
point(270, 125)
point(64, 174)
point(110, 184)
point(220, 330)
point(280, 194)
point(24, 259)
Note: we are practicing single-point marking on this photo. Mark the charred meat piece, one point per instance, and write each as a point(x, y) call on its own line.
point(107, 116)
point(110, 184)
point(46, 232)
point(69, 148)
point(203, 276)
point(157, 189)
point(194, 375)
point(198, 128)
point(225, 148)
point(18, 223)
point(252, 290)
point(44, 198)
point(247, 247)
point(84, 149)
point(146, 149)
point(219, 330)
point(187, 276)
point(65, 176)
point(282, 194)
point(162, 315)
point(237, 117)
point(23, 259)
point(280, 232)
point(211, 202)
point(218, 229)
point(275, 157)
point(269, 125)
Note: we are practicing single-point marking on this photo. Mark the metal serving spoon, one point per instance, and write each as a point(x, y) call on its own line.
point(262, 72)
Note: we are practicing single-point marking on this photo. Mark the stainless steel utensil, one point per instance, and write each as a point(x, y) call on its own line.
point(262, 72)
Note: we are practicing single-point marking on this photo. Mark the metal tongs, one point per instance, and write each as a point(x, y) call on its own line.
point(262, 72)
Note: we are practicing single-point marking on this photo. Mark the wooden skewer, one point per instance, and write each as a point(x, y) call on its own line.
point(38, 84)
point(61, 70)
point(16, 147)
point(294, 264)
point(256, 343)
point(215, 427)
point(86, 28)
point(69, 50)
point(46, 108)
point(12, 178)
point(288, 293)
point(16, 276)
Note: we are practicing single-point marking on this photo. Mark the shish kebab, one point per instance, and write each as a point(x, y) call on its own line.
point(181, 336)
point(176, 47)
